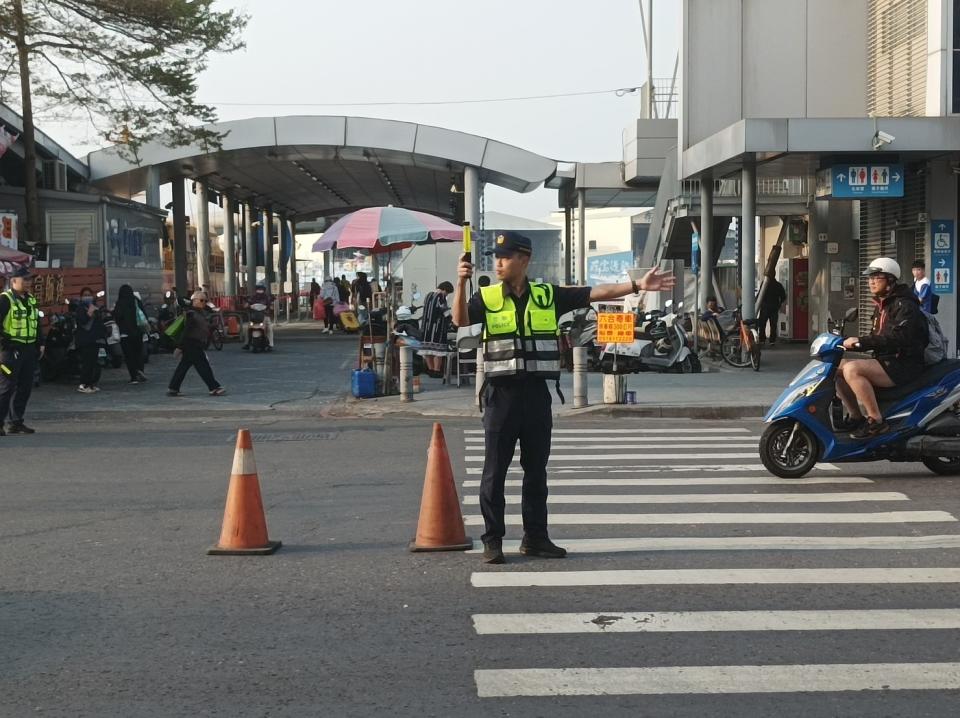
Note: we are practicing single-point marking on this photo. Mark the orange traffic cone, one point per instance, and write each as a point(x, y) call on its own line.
point(441, 524)
point(244, 524)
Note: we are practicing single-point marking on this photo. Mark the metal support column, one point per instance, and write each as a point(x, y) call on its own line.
point(266, 223)
point(471, 197)
point(203, 237)
point(567, 245)
point(179, 237)
point(706, 242)
point(251, 214)
point(748, 241)
point(229, 249)
point(153, 186)
point(327, 265)
point(581, 237)
point(294, 277)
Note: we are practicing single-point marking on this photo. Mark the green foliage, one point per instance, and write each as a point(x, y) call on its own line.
point(130, 66)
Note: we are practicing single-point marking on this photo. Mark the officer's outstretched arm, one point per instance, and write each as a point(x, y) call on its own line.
point(461, 317)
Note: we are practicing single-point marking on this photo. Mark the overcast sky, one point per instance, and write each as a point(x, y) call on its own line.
point(303, 52)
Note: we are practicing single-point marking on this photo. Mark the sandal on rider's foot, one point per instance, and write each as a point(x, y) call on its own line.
point(871, 428)
point(219, 391)
point(849, 423)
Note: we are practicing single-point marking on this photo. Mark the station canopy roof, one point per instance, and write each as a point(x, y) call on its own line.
point(306, 167)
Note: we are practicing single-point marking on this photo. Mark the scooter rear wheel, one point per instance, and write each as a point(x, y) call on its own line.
point(943, 465)
point(802, 456)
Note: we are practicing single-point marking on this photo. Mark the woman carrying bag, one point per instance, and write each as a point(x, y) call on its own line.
point(132, 322)
point(191, 346)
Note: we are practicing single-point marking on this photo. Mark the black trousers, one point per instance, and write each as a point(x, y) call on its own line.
point(17, 366)
point(89, 364)
point(193, 356)
point(132, 346)
point(328, 318)
point(768, 315)
point(516, 412)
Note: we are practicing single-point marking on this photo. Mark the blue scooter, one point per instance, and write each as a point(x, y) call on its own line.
point(924, 418)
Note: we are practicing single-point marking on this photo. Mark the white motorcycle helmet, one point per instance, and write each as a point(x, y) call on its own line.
point(883, 265)
point(404, 313)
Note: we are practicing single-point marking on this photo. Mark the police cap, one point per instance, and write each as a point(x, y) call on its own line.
point(508, 243)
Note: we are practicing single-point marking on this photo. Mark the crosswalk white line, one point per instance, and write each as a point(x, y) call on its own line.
point(808, 498)
point(601, 441)
point(745, 543)
point(716, 577)
point(885, 517)
point(650, 468)
point(693, 481)
point(505, 682)
point(624, 457)
point(709, 621)
point(713, 430)
point(555, 450)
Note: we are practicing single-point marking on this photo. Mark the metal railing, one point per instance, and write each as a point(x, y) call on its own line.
point(766, 187)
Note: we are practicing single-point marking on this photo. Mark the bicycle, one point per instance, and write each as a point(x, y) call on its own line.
point(217, 331)
point(742, 348)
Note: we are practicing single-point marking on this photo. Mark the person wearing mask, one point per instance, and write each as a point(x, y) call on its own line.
point(773, 298)
point(90, 332)
point(362, 291)
point(921, 287)
point(521, 351)
point(435, 325)
point(131, 321)
point(260, 296)
point(20, 350)
point(344, 289)
point(897, 340)
point(191, 348)
point(329, 294)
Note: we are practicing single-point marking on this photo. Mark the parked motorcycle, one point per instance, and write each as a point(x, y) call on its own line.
point(924, 419)
point(579, 329)
point(407, 322)
point(661, 344)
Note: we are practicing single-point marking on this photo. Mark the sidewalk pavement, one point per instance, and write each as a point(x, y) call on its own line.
point(720, 392)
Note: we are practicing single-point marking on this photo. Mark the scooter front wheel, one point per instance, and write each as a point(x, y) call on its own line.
point(943, 465)
point(788, 449)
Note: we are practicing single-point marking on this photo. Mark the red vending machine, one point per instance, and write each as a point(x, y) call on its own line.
point(794, 318)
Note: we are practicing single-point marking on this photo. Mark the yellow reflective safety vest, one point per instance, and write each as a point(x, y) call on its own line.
point(22, 321)
point(532, 349)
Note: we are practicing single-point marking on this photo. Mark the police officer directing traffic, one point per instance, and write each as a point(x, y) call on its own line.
point(20, 348)
point(521, 351)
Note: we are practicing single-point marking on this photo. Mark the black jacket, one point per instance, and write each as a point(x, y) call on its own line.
point(125, 315)
point(90, 330)
point(196, 330)
point(899, 327)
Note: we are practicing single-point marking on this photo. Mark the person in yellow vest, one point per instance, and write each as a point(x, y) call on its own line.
point(521, 351)
point(20, 349)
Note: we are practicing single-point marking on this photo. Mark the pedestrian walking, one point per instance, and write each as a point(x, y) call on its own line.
point(329, 294)
point(87, 338)
point(20, 350)
point(435, 325)
point(521, 351)
point(131, 321)
point(314, 291)
point(191, 348)
point(921, 286)
point(773, 298)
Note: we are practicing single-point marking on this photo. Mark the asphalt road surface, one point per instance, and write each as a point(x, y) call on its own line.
point(696, 585)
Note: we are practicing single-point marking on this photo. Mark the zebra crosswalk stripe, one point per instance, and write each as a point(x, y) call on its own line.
point(717, 679)
point(691, 481)
point(885, 517)
point(808, 498)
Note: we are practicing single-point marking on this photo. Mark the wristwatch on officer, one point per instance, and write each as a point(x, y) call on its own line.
point(633, 282)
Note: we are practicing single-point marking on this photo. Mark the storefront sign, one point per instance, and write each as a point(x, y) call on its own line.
point(943, 243)
point(8, 230)
point(866, 181)
point(695, 253)
point(615, 328)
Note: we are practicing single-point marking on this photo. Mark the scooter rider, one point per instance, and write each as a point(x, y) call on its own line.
point(260, 296)
point(897, 340)
point(520, 351)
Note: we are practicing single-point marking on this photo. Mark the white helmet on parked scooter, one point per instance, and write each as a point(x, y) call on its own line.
point(404, 313)
point(883, 265)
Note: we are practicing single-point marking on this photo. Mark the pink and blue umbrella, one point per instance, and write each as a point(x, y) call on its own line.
point(386, 229)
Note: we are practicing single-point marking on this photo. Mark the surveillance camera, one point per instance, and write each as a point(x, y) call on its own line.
point(882, 138)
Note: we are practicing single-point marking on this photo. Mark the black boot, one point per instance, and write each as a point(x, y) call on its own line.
point(493, 551)
point(20, 428)
point(541, 548)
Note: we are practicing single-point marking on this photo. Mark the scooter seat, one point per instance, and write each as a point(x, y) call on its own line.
point(928, 377)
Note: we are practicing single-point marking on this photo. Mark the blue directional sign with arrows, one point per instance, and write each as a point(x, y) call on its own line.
point(942, 249)
point(866, 181)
